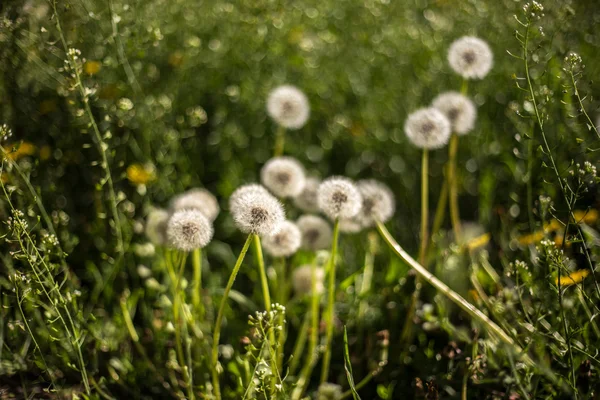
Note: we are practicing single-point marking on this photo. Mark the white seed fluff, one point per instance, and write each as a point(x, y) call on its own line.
point(250, 188)
point(329, 391)
point(156, 226)
point(378, 202)
point(307, 199)
point(288, 106)
point(316, 232)
point(259, 213)
point(285, 242)
point(198, 199)
point(302, 280)
point(188, 230)
point(459, 110)
point(283, 176)
point(350, 225)
point(427, 128)
point(470, 57)
point(338, 197)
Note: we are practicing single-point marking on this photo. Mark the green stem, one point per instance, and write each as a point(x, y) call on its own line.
point(367, 277)
point(440, 210)
point(177, 323)
point(260, 261)
point(197, 292)
point(487, 323)
point(216, 368)
point(281, 299)
point(406, 335)
point(453, 187)
point(279, 141)
point(299, 345)
point(330, 302)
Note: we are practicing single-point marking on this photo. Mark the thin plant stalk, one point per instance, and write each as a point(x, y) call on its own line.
point(367, 277)
point(279, 141)
point(453, 187)
point(215, 367)
point(281, 299)
point(440, 210)
point(264, 282)
point(489, 325)
point(177, 322)
point(300, 344)
point(330, 302)
point(406, 335)
point(197, 292)
point(313, 354)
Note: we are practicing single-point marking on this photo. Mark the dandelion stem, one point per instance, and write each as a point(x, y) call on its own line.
point(281, 299)
point(330, 302)
point(215, 367)
point(453, 187)
point(177, 323)
point(197, 293)
point(406, 335)
point(260, 260)
point(440, 210)
point(299, 345)
point(279, 141)
point(457, 299)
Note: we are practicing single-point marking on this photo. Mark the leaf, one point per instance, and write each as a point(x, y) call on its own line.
point(348, 367)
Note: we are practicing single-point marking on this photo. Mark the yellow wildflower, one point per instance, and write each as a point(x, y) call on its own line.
point(22, 149)
point(92, 67)
point(478, 241)
point(139, 174)
point(586, 216)
point(573, 278)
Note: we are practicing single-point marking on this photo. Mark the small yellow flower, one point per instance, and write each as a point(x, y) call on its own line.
point(478, 241)
point(92, 67)
point(586, 216)
point(176, 59)
point(139, 174)
point(573, 278)
point(22, 149)
point(45, 152)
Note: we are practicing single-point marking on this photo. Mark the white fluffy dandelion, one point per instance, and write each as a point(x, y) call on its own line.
point(470, 57)
point(302, 280)
point(350, 225)
point(459, 110)
point(285, 242)
point(188, 230)
point(329, 391)
point(258, 212)
point(338, 197)
point(378, 202)
point(283, 176)
point(316, 232)
point(288, 106)
point(427, 128)
point(307, 199)
point(251, 188)
point(197, 199)
point(156, 226)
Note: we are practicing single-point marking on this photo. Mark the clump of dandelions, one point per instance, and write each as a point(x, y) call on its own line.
point(156, 226)
point(250, 188)
point(288, 106)
point(378, 202)
point(283, 176)
point(427, 128)
point(188, 230)
point(329, 391)
point(302, 280)
point(316, 232)
point(257, 211)
point(470, 57)
point(339, 198)
point(307, 199)
point(285, 242)
point(197, 199)
point(459, 110)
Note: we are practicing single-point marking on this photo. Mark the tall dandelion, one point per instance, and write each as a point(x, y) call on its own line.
point(288, 106)
point(307, 199)
point(285, 242)
point(461, 113)
point(378, 203)
point(283, 176)
point(429, 129)
point(338, 198)
point(156, 226)
point(255, 212)
point(470, 57)
point(316, 232)
point(199, 199)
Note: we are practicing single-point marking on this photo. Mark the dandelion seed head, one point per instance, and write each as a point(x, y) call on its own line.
point(378, 202)
point(288, 106)
point(307, 199)
point(316, 232)
point(427, 128)
point(338, 197)
point(156, 226)
point(259, 213)
point(459, 110)
point(350, 225)
point(198, 199)
point(283, 176)
point(302, 280)
point(285, 242)
point(251, 188)
point(188, 230)
point(329, 391)
point(470, 57)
